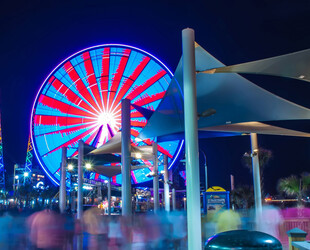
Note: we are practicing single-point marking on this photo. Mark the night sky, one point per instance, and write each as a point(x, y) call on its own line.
point(37, 35)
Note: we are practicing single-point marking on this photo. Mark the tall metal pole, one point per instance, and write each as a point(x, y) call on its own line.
point(155, 178)
point(191, 140)
point(62, 186)
point(256, 174)
point(166, 185)
point(173, 199)
point(80, 180)
point(126, 161)
point(109, 196)
point(14, 185)
point(206, 169)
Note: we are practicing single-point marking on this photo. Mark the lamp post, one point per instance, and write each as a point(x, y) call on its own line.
point(206, 169)
point(256, 174)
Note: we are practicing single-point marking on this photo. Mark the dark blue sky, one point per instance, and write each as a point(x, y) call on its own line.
point(36, 36)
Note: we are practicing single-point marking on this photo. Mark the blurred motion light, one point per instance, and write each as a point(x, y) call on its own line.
point(138, 155)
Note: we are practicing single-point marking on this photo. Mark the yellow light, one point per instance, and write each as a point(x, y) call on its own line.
point(70, 167)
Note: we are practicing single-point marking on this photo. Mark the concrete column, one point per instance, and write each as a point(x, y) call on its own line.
point(173, 199)
point(166, 185)
point(191, 140)
point(62, 186)
point(126, 159)
point(80, 180)
point(256, 175)
point(109, 196)
point(155, 178)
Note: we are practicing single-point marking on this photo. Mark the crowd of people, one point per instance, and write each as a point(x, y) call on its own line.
point(48, 229)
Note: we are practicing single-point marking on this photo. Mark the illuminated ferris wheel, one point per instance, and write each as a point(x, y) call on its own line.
point(81, 100)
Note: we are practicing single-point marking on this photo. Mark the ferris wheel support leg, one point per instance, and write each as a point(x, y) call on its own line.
point(62, 186)
point(80, 180)
point(166, 185)
point(126, 159)
point(191, 140)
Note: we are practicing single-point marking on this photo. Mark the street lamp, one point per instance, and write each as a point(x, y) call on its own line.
point(70, 167)
point(88, 166)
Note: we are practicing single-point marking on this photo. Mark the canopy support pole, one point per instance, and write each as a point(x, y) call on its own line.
point(126, 160)
point(109, 196)
point(80, 180)
point(256, 174)
point(166, 185)
point(62, 186)
point(155, 178)
point(191, 140)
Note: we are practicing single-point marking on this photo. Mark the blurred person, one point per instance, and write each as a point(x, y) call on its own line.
point(6, 223)
point(179, 228)
point(47, 230)
point(269, 220)
point(96, 227)
point(153, 233)
point(227, 220)
point(138, 233)
point(115, 236)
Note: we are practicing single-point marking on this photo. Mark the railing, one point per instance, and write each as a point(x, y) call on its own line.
point(288, 224)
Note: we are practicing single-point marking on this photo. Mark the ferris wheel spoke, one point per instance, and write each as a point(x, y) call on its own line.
point(149, 99)
point(131, 79)
point(70, 95)
point(60, 120)
point(104, 79)
point(63, 107)
point(73, 141)
point(79, 84)
point(91, 78)
point(118, 76)
point(140, 89)
point(136, 114)
point(66, 130)
point(139, 124)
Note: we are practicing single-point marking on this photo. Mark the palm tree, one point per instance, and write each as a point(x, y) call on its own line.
point(294, 186)
point(242, 197)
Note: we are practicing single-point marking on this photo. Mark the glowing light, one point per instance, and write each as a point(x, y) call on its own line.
point(26, 174)
point(138, 155)
point(88, 166)
point(70, 167)
point(16, 177)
